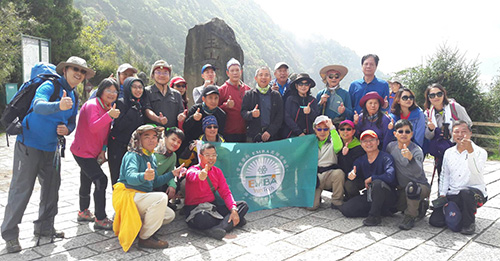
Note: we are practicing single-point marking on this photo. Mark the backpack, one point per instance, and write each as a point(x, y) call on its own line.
point(19, 106)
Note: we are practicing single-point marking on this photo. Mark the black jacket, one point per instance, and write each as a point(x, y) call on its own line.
point(193, 129)
point(254, 126)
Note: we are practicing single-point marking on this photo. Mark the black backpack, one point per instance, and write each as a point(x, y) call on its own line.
point(19, 106)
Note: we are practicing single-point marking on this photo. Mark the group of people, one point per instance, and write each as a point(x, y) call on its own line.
point(371, 146)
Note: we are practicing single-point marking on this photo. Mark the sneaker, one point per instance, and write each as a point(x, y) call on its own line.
point(55, 233)
point(85, 215)
point(105, 224)
point(13, 246)
point(408, 223)
point(372, 221)
point(469, 230)
point(152, 242)
point(215, 232)
point(422, 208)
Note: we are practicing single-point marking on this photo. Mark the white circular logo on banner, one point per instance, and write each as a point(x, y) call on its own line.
point(261, 175)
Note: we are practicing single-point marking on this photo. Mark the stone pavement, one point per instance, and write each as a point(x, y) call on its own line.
point(285, 233)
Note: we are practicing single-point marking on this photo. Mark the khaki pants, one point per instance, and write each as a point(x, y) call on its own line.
point(154, 212)
point(410, 206)
point(330, 180)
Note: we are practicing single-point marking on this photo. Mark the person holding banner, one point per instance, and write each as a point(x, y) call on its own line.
point(262, 109)
point(206, 186)
point(377, 169)
point(330, 175)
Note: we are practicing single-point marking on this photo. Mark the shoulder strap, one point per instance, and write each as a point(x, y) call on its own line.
point(453, 111)
point(211, 185)
point(57, 89)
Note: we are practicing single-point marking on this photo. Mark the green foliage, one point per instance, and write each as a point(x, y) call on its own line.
point(10, 40)
point(459, 76)
point(493, 98)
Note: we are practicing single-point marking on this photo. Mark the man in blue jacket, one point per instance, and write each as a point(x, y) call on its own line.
point(35, 152)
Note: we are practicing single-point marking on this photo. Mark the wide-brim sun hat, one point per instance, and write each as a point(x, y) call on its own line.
point(76, 62)
point(335, 67)
point(301, 77)
point(369, 96)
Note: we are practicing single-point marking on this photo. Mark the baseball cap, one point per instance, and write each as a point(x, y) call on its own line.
point(232, 62)
point(125, 67)
point(320, 119)
point(280, 64)
point(369, 133)
point(206, 66)
point(209, 90)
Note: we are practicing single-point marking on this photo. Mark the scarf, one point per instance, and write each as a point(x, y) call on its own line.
point(207, 110)
point(104, 106)
point(446, 119)
point(262, 90)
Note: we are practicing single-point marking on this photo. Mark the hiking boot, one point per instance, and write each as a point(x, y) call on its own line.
point(13, 246)
point(49, 233)
point(152, 242)
point(408, 223)
point(469, 230)
point(85, 215)
point(215, 232)
point(105, 224)
point(372, 221)
point(422, 208)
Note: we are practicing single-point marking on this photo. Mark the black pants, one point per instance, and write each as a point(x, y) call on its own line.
point(383, 200)
point(203, 221)
point(116, 151)
point(90, 173)
point(467, 203)
point(235, 137)
point(352, 187)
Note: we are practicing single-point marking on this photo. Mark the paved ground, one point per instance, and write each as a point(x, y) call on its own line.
point(286, 233)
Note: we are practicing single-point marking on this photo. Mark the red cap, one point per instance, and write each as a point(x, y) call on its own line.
point(368, 133)
point(177, 79)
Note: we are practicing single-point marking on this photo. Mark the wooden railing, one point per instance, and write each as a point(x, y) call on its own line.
point(486, 136)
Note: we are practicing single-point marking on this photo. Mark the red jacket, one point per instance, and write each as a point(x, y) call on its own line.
point(235, 124)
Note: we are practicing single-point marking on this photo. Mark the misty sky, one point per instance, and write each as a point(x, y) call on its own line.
point(404, 34)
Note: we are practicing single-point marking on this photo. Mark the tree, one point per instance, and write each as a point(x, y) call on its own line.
point(459, 76)
point(10, 40)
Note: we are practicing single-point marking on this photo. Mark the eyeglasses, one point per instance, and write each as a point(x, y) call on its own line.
point(210, 155)
point(334, 76)
point(154, 137)
point(322, 129)
point(345, 129)
point(110, 91)
point(138, 87)
point(166, 73)
point(180, 85)
point(433, 95)
point(304, 84)
point(76, 69)
point(406, 97)
point(212, 127)
point(404, 131)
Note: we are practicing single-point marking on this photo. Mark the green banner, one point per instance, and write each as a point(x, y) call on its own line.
point(271, 175)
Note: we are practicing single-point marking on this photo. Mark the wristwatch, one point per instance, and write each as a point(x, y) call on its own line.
point(235, 208)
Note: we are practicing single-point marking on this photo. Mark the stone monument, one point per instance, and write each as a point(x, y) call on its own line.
point(213, 42)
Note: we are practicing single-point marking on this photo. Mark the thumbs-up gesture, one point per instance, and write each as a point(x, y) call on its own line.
point(197, 115)
point(352, 174)
point(114, 112)
point(66, 102)
point(275, 87)
point(162, 119)
point(356, 117)
point(386, 103)
point(345, 149)
point(341, 108)
point(182, 116)
point(204, 172)
point(307, 109)
point(390, 126)
point(256, 111)
point(230, 102)
point(324, 98)
point(406, 152)
point(149, 174)
point(179, 171)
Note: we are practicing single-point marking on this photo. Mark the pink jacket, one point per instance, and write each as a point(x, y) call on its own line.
point(198, 191)
point(92, 131)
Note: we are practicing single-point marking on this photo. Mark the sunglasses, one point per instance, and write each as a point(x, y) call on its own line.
point(76, 69)
point(433, 95)
point(304, 84)
point(404, 131)
point(180, 85)
point(212, 127)
point(406, 97)
point(322, 129)
point(345, 129)
point(334, 76)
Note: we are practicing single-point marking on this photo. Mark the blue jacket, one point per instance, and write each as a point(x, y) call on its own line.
point(417, 119)
point(40, 126)
point(332, 114)
point(132, 172)
point(381, 168)
point(359, 88)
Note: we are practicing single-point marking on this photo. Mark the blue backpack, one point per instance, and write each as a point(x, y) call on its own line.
point(19, 107)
